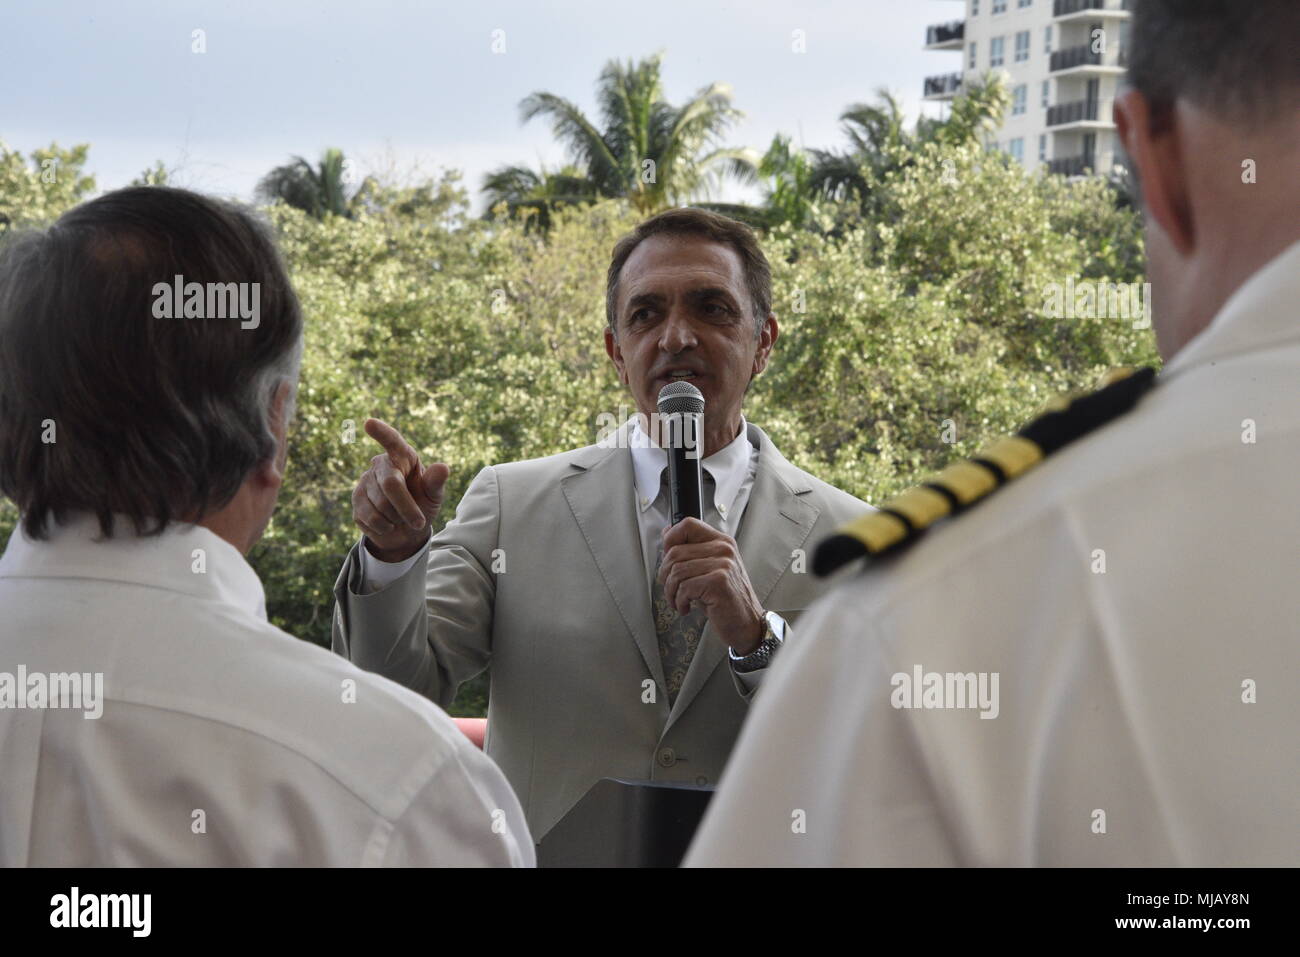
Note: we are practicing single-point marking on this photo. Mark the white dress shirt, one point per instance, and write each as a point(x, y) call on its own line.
point(221, 740)
point(732, 469)
point(1136, 595)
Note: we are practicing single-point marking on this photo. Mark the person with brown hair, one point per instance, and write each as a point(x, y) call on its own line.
point(619, 646)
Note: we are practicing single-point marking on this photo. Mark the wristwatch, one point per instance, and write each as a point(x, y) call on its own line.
point(761, 656)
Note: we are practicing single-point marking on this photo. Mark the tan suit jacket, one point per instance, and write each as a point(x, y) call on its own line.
point(540, 576)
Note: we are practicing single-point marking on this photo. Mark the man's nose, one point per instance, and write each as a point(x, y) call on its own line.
point(676, 334)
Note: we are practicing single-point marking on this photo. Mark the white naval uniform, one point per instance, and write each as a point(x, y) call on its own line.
point(1125, 732)
point(221, 740)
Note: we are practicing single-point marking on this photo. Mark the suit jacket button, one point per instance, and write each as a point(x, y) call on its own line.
point(667, 757)
point(701, 780)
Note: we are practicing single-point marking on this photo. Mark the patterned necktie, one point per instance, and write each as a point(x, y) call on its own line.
point(679, 635)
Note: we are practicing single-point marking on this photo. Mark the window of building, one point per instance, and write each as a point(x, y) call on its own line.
point(1022, 46)
point(1042, 147)
point(1047, 38)
point(999, 6)
point(1017, 149)
point(972, 54)
point(1047, 92)
point(974, 8)
point(1019, 98)
point(1024, 3)
point(995, 52)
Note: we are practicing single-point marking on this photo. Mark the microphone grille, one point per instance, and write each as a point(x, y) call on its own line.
point(680, 397)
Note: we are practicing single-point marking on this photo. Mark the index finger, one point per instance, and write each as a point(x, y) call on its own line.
point(689, 530)
point(396, 446)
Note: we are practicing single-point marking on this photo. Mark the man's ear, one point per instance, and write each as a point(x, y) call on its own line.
point(1154, 144)
point(270, 474)
point(616, 354)
point(766, 339)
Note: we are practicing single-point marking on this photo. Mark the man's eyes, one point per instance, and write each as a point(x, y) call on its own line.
point(712, 309)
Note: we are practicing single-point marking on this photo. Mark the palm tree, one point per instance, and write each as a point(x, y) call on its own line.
point(317, 191)
point(790, 195)
point(646, 150)
point(880, 141)
point(520, 188)
point(977, 111)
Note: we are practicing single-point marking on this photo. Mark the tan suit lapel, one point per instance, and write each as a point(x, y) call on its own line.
point(601, 495)
point(777, 521)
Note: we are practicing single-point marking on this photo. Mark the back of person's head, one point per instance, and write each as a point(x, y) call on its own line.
point(116, 395)
point(1236, 59)
point(1210, 122)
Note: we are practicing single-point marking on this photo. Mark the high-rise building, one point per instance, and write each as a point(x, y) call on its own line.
point(1063, 61)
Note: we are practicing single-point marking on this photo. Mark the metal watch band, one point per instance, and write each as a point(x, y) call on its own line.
point(762, 655)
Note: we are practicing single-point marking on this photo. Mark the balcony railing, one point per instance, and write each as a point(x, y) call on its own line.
point(1070, 165)
point(1074, 112)
point(946, 84)
point(1071, 57)
point(945, 32)
point(1063, 8)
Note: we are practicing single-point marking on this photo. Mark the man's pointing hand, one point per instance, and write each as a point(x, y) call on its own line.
point(397, 498)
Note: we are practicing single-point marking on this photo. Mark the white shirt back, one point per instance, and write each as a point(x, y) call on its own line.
point(1136, 594)
point(222, 740)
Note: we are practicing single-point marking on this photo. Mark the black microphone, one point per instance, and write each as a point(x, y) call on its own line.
point(681, 417)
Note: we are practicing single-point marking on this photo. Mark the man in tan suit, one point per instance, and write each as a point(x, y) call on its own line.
point(619, 646)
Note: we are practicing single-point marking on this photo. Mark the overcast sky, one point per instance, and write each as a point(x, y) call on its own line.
point(416, 82)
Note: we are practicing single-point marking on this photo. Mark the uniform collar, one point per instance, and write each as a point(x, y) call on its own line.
point(1261, 313)
point(728, 466)
point(184, 558)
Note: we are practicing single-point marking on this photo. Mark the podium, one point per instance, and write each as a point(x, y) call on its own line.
point(626, 824)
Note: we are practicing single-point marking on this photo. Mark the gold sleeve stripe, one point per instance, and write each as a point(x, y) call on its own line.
point(1057, 403)
point(921, 506)
point(1012, 455)
point(967, 481)
point(1115, 375)
point(877, 530)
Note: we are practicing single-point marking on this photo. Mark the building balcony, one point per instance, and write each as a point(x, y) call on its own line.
point(1070, 165)
point(1084, 59)
point(1081, 9)
point(945, 36)
point(945, 86)
point(1077, 113)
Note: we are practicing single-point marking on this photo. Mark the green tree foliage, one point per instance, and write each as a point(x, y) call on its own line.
point(931, 323)
point(482, 340)
point(156, 175)
point(35, 189)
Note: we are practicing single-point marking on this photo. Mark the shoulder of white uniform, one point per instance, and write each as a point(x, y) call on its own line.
point(905, 518)
point(368, 733)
